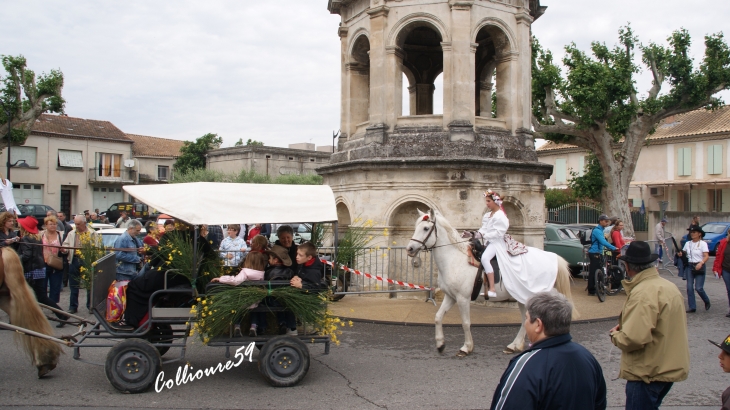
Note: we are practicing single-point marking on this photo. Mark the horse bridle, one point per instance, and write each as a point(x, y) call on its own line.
point(424, 247)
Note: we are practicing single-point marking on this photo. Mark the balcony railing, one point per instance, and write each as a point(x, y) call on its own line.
point(122, 176)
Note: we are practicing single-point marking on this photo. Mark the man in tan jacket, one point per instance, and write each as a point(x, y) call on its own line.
point(652, 332)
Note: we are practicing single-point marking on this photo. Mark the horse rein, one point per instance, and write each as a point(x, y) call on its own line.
point(425, 248)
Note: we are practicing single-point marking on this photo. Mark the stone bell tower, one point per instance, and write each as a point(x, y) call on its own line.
point(390, 162)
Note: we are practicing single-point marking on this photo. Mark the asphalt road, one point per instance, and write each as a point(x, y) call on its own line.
point(376, 366)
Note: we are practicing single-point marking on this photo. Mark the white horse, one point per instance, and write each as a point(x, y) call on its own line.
point(456, 277)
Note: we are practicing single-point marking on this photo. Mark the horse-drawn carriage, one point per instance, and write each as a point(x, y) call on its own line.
point(134, 362)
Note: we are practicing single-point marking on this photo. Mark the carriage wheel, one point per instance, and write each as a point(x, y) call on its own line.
point(161, 333)
point(132, 365)
point(601, 284)
point(284, 361)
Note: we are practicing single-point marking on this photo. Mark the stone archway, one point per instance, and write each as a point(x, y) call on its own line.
point(493, 72)
point(402, 220)
point(422, 61)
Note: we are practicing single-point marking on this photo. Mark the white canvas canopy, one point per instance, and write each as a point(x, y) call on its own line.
point(217, 203)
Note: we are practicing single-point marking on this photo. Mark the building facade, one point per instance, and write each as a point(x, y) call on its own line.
point(74, 164)
point(684, 167)
point(272, 161)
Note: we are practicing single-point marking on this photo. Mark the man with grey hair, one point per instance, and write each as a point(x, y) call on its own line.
point(554, 373)
point(651, 333)
point(129, 251)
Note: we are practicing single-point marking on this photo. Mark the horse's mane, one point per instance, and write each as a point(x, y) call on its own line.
point(452, 233)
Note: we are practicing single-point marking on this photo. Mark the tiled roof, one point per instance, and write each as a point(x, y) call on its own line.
point(63, 126)
point(146, 146)
point(698, 122)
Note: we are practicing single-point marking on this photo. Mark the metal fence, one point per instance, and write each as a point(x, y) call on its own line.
point(666, 263)
point(584, 213)
point(387, 263)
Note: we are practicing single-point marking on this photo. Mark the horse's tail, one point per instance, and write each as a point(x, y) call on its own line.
point(25, 313)
point(562, 283)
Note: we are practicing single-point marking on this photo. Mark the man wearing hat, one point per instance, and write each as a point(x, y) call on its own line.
point(652, 331)
point(697, 255)
point(659, 235)
point(725, 364)
point(598, 241)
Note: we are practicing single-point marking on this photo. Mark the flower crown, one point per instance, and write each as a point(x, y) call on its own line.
point(493, 196)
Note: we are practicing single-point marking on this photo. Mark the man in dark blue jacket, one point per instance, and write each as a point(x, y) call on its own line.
point(554, 373)
point(598, 241)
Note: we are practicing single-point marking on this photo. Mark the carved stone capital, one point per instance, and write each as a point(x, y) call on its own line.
point(446, 46)
point(507, 56)
point(473, 47)
point(380, 11)
point(485, 85)
point(342, 31)
point(524, 18)
point(395, 50)
point(357, 68)
point(461, 4)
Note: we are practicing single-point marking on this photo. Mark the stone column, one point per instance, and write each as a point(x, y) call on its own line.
point(344, 85)
point(378, 82)
point(359, 90)
point(412, 100)
point(486, 87)
point(507, 90)
point(448, 86)
point(424, 99)
point(462, 65)
point(393, 85)
point(523, 65)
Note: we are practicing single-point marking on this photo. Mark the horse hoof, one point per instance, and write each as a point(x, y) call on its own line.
point(45, 369)
point(462, 353)
point(441, 348)
point(509, 350)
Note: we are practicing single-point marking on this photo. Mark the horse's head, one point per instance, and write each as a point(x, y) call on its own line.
point(424, 236)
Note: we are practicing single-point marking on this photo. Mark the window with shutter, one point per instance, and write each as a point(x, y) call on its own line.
point(70, 159)
point(560, 176)
point(27, 154)
point(684, 157)
point(714, 159)
point(581, 165)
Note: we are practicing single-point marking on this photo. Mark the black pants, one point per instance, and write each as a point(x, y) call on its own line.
point(39, 287)
point(595, 264)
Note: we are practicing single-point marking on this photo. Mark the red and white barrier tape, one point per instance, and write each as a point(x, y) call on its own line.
point(376, 277)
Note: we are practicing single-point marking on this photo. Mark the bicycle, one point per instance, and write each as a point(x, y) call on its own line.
point(606, 274)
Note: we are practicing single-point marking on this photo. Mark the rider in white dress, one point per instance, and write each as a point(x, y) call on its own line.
point(494, 227)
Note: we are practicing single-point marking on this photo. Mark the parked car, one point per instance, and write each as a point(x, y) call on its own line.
point(38, 211)
point(714, 233)
point(302, 233)
point(135, 210)
point(109, 236)
point(560, 239)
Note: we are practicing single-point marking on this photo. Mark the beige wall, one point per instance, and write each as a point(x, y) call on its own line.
point(147, 167)
point(272, 161)
point(52, 177)
point(659, 161)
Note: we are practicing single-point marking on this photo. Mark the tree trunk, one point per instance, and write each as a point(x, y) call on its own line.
point(615, 195)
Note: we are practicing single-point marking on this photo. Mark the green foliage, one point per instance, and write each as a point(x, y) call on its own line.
point(177, 253)
point(591, 183)
point(558, 197)
point(226, 305)
point(24, 97)
point(254, 143)
point(239, 143)
point(192, 154)
point(245, 177)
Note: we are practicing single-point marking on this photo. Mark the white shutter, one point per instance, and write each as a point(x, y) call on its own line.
point(581, 165)
point(560, 176)
point(27, 154)
point(714, 159)
point(71, 159)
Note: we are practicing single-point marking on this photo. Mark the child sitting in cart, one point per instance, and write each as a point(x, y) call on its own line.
point(253, 269)
point(279, 269)
point(309, 276)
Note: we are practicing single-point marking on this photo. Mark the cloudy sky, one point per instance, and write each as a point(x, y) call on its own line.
point(266, 70)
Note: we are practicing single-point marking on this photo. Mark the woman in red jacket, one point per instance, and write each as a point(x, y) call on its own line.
point(722, 265)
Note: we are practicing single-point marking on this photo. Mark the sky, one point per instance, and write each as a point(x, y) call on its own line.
point(264, 70)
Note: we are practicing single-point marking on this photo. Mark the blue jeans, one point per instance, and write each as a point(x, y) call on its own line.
point(122, 276)
point(659, 250)
point(74, 285)
point(695, 282)
point(726, 278)
point(55, 282)
point(642, 396)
